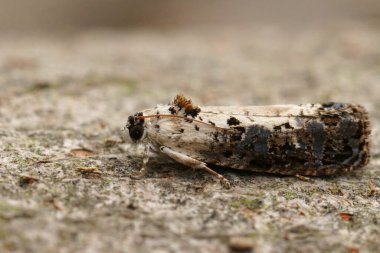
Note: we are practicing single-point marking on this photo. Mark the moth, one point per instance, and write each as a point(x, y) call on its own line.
point(306, 140)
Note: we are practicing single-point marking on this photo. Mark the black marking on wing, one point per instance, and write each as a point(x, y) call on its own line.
point(232, 121)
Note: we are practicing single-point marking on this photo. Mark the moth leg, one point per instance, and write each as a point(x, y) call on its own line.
point(193, 163)
point(143, 170)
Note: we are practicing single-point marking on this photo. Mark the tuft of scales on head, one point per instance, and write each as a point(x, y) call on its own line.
point(182, 105)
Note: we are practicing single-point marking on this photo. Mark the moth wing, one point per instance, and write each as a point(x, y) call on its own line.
point(270, 116)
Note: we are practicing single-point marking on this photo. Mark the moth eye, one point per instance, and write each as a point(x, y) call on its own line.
point(136, 132)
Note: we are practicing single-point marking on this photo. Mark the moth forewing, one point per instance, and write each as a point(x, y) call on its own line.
point(310, 139)
point(264, 111)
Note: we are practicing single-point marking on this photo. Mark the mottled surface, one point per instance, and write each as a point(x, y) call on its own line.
point(64, 184)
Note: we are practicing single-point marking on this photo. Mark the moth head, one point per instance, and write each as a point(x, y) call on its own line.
point(136, 127)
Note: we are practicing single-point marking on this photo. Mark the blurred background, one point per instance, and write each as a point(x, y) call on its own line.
point(57, 16)
point(278, 51)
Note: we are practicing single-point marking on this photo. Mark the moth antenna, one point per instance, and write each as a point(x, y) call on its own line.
point(178, 116)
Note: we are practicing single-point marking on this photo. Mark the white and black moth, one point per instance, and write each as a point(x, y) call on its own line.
point(305, 140)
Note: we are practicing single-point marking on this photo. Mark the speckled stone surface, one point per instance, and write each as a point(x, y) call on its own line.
point(65, 99)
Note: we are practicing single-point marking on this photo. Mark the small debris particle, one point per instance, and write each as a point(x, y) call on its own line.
point(81, 152)
point(89, 171)
point(102, 124)
point(196, 127)
point(26, 180)
point(353, 250)
point(372, 188)
point(182, 130)
point(43, 161)
point(55, 203)
point(240, 244)
point(43, 85)
point(212, 123)
point(110, 143)
point(346, 216)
